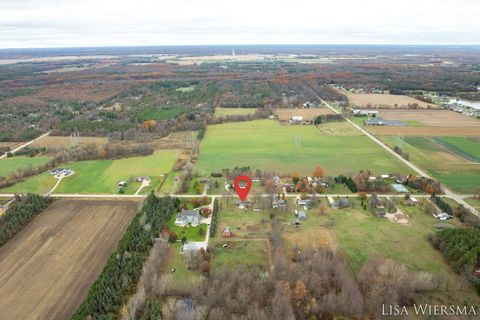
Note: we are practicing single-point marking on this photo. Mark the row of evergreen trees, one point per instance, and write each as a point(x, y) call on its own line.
point(445, 207)
point(19, 213)
point(119, 278)
point(213, 223)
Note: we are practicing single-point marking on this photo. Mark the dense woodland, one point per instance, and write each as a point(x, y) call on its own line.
point(117, 99)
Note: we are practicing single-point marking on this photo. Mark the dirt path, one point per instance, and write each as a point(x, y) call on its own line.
point(25, 145)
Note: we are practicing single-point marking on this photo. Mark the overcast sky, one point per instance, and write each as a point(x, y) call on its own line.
point(66, 23)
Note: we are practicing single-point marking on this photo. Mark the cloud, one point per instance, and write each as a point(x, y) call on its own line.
point(57, 23)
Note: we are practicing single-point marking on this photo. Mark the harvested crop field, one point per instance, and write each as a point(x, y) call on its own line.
point(431, 118)
point(424, 131)
point(379, 100)
point(67, 142)
point(307, 114)
point(48, 268)
point(338, 129)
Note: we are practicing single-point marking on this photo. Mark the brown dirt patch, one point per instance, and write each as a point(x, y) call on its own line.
point(48, 268)
point(431, 118)
point(67, 142)
point(311, 238)
point(307, 114)
point(424, 131)
point(379, 100)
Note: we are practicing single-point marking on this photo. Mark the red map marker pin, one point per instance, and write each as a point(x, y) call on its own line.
point(242, 191)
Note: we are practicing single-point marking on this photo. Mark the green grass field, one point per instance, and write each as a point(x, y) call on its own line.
point(223, 112)
point(451, 168)
point(267, 145)
point(240, 253)
point(468, 148)
point(10, 165)
point(41, 183)
point(102, 176)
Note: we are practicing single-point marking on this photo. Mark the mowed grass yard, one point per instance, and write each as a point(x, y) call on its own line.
point(268, 145)
point(444, 158)
point(10, 165)
point(102, 176)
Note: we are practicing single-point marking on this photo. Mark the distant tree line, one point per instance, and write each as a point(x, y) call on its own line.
point(19, 213)
point(402, 153)
point(213, 223)
point(120, 276)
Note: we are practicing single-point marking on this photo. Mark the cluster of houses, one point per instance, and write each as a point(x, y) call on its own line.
point(468, 108)
point(122, 183)
point(61, 172)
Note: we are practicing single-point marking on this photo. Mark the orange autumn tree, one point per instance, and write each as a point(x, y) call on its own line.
point(149, 124)
point(318, 172)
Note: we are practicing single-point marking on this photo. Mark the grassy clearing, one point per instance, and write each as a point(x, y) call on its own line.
point(223, 112)
point(186, 89)
point(10, 165)
point(267, 145)
point(41, 183)
point(449, 167)
point(182, 277)
point(240, 253)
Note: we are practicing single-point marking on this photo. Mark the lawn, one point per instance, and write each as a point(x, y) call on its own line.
point(10, 165)
point(240, 253)
point(223, 112)
point(451, 168)
point(41, 183)
point(197, 233)
point(102, 176)
point(182, 275)
point(267, 145)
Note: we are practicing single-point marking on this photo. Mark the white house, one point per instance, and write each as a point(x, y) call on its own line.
point(188, 217)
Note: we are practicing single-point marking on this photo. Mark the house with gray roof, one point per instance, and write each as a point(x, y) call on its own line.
point(187, 217)
point(340, 203)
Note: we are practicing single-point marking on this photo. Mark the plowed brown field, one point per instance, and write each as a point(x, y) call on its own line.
point(48, 268)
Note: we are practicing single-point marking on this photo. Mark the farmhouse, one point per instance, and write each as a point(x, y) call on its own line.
point(188, 217)
point(278, 203)
point(340, 203)
point(410, 202)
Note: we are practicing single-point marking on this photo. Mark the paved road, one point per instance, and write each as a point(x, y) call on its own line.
point(24, 145)
point(140, 196)
point(448, 192)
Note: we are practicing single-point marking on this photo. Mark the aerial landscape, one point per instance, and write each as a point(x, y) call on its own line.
point(192, 180)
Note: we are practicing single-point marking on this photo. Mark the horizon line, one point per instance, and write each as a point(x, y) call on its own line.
point(252, 44)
